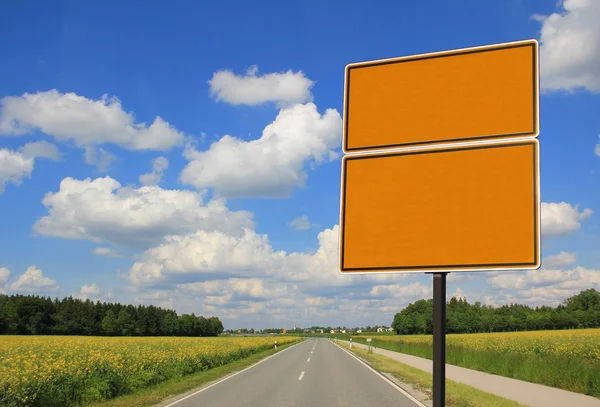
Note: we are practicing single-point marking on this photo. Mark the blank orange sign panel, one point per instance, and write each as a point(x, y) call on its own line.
point(462, 95)
point(460, 208)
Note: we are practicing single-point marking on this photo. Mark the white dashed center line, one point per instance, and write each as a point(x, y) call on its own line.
point(308, 360)
point(301, 376)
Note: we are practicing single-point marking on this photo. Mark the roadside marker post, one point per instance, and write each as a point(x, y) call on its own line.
point(441, 170)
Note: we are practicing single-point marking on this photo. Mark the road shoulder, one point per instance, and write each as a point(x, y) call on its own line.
point(410, 391)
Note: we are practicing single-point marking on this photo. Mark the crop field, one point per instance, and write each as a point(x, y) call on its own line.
point(567, 359)
point(75, 370)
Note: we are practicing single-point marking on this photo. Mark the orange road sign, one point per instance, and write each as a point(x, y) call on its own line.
point(472, 94)
point(471, 207)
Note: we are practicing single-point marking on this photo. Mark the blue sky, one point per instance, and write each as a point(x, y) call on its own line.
point(195, 88)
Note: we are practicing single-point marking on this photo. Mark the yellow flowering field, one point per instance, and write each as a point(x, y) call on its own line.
point(68, 370)
point(579, 343)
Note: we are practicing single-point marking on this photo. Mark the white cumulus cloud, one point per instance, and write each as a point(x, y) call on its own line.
point(285, 88)
point(527, 279)
point(301, 223)
point(458, 294)
point(14, 167)
point(103, 210)
point(158, 299)
point(205, 256)
point(98, 157)
point(211, 253)
point(250, 288)
point(4, 275)
point(562, 218)
point(32, 281)
point(87, 122)
point(581, 278)
point(106, 251)
point(89, 289)
point(159, 165)
point(414, 291)
point(319, 301)
point(542, 287)
point(273, 165)
point(41, 149)
point(92, 292)
point(570, 47)
point(559, 260)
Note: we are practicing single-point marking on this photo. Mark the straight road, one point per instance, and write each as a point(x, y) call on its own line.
point(315, 373)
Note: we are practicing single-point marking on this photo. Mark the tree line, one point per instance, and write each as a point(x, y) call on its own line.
point(579, 311)
point(35, 315)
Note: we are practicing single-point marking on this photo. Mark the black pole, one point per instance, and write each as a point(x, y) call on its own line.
point(439, 339)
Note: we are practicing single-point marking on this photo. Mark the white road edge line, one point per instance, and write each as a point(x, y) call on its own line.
point(391, 383)
point(230, 376)
point(301, 376)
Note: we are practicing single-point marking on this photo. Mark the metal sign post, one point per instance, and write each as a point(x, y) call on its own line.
point(439, 339)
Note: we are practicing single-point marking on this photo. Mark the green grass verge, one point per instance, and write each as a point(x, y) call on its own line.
point(151, 396)
point(568, 373)
point(457, 394)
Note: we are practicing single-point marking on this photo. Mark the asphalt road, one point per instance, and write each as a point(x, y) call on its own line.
point(315, 372)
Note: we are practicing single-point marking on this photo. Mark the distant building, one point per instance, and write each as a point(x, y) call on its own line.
point(379, 329)
point(390, 329)
point(332, 331)
point(359, 331)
